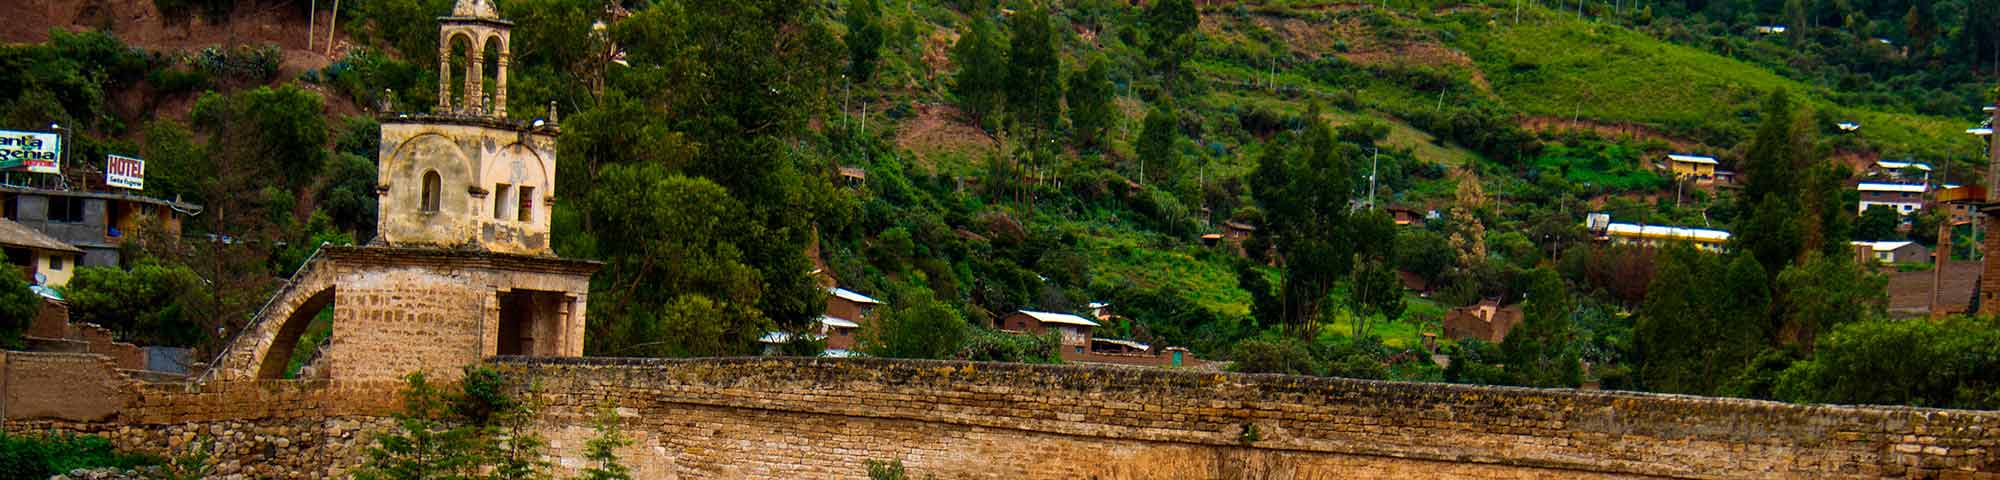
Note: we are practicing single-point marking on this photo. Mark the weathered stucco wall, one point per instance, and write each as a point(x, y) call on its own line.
point(822, 418)
point(472, 157)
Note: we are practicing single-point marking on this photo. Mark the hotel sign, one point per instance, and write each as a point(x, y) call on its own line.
point(34, 151)
point(124, 172)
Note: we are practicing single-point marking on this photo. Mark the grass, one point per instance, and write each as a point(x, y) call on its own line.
point(1557, 66)
point(1403, 333)
point(1203, 278)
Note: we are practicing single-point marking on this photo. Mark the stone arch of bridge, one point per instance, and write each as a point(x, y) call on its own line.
point(278, 356)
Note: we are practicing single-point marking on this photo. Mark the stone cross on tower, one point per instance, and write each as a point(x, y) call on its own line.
point(469, 37)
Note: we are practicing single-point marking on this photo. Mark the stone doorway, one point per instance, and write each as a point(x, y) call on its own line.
point(531, 323)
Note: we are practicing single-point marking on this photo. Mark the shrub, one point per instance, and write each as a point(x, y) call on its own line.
point(42, 456)
point(1273, 356)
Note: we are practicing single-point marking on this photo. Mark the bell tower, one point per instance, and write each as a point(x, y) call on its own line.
point(467, 40)
point(464, 176)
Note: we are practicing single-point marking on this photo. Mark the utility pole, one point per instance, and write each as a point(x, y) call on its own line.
point(331, 26)
point(1942, 254)
point(1373, 162)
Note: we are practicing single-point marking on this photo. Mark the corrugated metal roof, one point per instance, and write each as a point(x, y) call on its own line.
point(1889, 187)
point(1893, 165)
point(1683, 158)
point(1884, 246)
point(14, 234)
point(837, 322)
point(1670, 233)
point(1064, 318)
point(1127, 343)
point(849, 295)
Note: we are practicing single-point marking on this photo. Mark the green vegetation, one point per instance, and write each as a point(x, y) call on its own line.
point(30, 456)
point(700, 167)
point(474, 430)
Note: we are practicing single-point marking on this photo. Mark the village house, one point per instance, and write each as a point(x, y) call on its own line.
point(1900, 172)
point(1487, 320)
point(1405, 215)
point(1905, 199)
point(44, 260)
point(1075, 331)
point(1891, 252)
point(846, 312)
point(1692, 167)
point(96, 222)
point(1079, 343)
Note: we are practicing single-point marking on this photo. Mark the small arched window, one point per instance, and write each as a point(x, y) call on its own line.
point(432, 184)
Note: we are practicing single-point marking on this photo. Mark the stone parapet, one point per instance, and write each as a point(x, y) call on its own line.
point(727, 414)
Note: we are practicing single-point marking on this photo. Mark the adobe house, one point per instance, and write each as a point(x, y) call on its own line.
point(846, 312)
point(461, 269)
point(1486, 320)
point(1075, 330)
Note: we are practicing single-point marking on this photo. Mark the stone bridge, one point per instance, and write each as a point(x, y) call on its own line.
point(760, 418)
point(398, 310)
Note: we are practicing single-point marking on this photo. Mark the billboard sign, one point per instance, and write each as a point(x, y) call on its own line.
point(124, 172)
point(35, 152)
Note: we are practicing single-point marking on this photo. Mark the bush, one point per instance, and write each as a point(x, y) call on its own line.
point(252, 64)
point(33, 456)
point(994, 346)
point(1285, 356)
point(921, 330)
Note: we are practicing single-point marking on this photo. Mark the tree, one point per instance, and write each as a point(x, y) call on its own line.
point(981, 81)
point(472, 430)
point(1377, 291)
point(1825, 291)
point(1542, 351)
point(1264, 306)
point(1304, 184)
point(864, 38)
point(922, 329)
point(1979, 38)
point(1091, 111)
point(679, 285)
point(1921, 23)
point(18, 306)
point(1170, 37)
point(602, 451)
point(154, 303)
point(1777, 159)
point(1878, 223)
point(1423, 252)
point(1946, 364)
point(425, 443)
point(1034, 74)
point(1695, 332)
point(1159, 159)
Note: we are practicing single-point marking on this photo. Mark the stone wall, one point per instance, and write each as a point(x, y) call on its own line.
point(399, 310)
point(77, 386)
point(806, 418)
point(822, 418)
